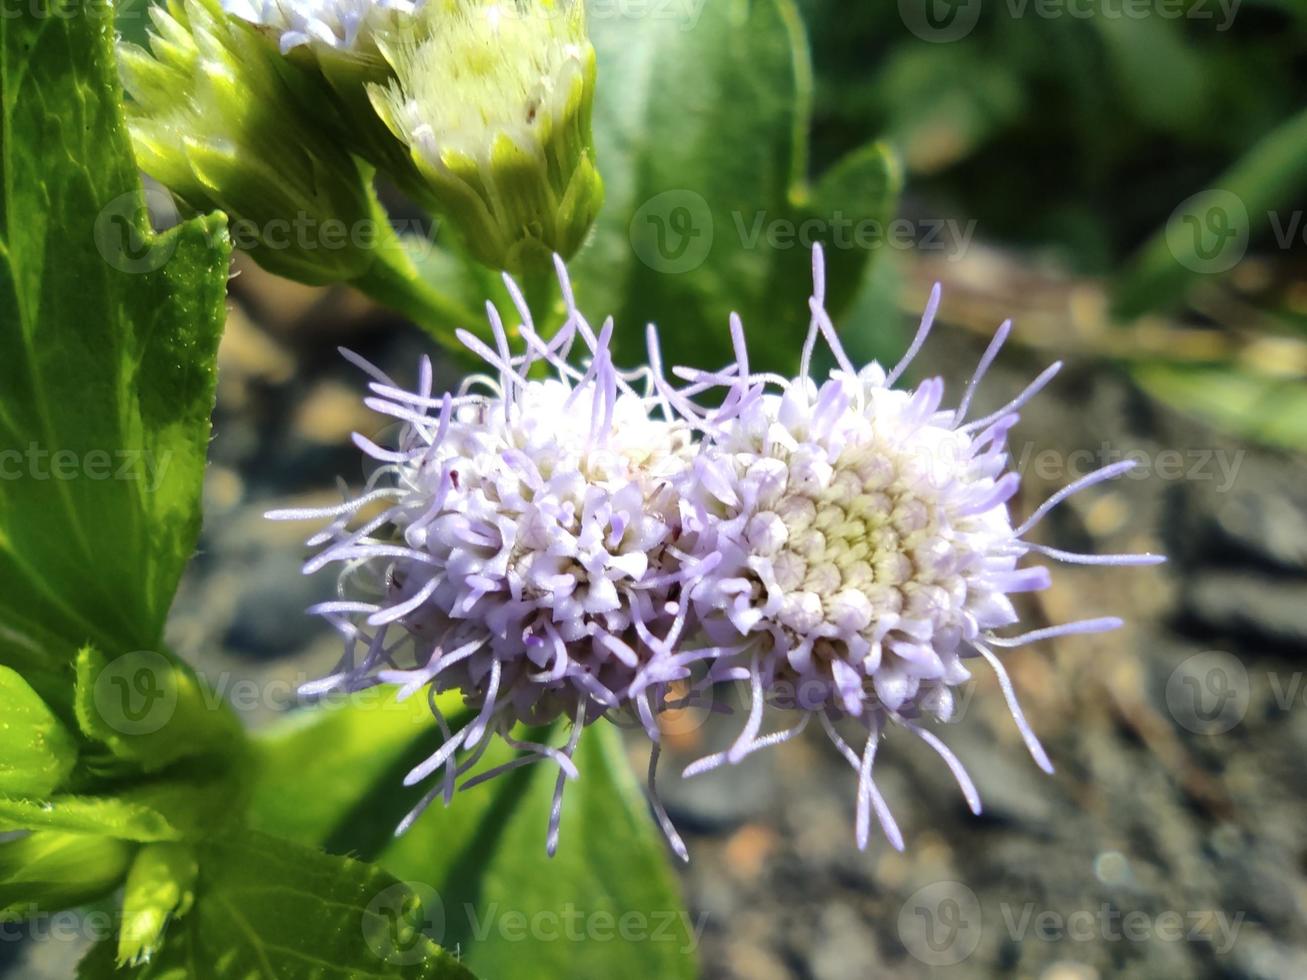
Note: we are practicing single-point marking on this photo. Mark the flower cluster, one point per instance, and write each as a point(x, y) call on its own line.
point(590, 542)
point(278, 111)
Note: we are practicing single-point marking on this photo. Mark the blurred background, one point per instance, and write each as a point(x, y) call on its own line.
point(1126, 180)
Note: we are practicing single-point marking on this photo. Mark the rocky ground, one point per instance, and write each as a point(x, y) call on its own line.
point(1168, 845)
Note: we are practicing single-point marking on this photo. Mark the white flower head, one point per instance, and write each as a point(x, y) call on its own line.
point(494, 106)
point(487, 69)
point(573, 546)
point(853, 547)
point(524, 553)
point(348, 26)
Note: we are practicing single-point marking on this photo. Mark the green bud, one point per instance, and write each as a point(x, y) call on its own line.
point(49, 871)
point(494, 103)
point(160, 887)
point(220, 118)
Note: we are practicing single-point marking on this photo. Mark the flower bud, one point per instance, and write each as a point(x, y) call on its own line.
point(217, 116)
point(494, 104)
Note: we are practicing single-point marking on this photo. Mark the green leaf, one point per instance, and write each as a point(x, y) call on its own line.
point(1208, 233)
point(149, 710)
point(1271, 411)
point(108, 336)
point(51, 871)
point(606, 905)
point(267, 908)
point(701, 133)
point(334, 777)
point(1159, 76)
point(37, 753)
point(187, 803)
point(120, 818)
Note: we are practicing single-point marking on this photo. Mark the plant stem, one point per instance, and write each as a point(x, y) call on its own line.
point(394, 281)
point(541, 291)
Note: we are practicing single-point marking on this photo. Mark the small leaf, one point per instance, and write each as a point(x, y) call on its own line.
point(267, 908)
point(37, 753)
point(51, 871)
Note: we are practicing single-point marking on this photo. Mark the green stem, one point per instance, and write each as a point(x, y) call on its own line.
point(394, 281)
point(542, 293)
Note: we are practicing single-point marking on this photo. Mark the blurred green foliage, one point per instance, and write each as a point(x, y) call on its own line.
point(1158, 144)
point(1077, 132)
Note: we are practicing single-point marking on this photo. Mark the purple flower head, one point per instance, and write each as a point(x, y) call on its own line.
point(556, 541)
point(851, 546)
point(524, 555)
